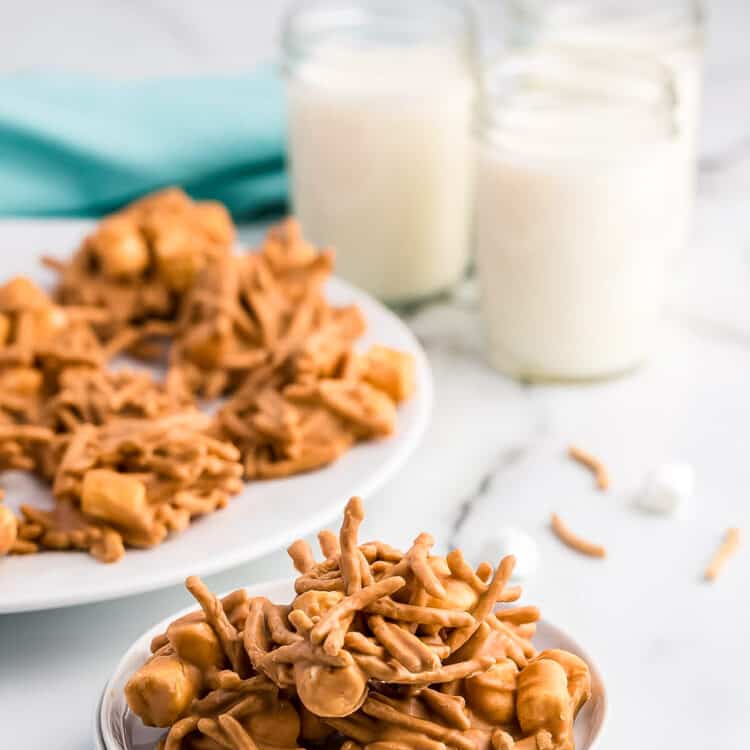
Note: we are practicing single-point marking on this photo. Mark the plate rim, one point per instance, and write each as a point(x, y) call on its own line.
point(381, 474)
point(262, 589)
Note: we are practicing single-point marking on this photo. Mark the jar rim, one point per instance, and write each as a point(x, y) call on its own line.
point(307, 22)
point(543, 84)
point(567, 14)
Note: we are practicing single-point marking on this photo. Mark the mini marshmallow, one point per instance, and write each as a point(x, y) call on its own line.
point(512, 541)
point(668, 490)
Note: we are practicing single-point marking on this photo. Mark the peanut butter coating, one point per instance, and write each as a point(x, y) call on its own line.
point(161, 692)
point(330, 691)
point(492, 694)
point(379, 650)
point(543, 701)
point(197, 644)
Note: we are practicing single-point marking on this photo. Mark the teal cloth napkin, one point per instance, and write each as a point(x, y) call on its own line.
point(76, 145)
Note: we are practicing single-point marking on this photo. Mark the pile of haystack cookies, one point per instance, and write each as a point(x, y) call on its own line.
point(378, 650)
point(131, 458)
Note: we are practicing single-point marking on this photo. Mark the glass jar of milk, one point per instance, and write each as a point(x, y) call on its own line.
point(576, 156)
point(671, 31)
point(381, 98)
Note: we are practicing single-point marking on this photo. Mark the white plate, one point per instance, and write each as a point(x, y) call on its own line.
point(116, 728)
point(267, 515)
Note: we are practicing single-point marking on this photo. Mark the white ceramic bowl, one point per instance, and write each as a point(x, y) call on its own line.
point(116, 728)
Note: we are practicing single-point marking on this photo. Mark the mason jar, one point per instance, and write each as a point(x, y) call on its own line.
point(381, 100)
point(670, 31)
point(575, 173)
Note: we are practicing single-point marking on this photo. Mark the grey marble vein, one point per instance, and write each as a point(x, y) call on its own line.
point(455, 346)
point(507, 458)
point(717, 330)
point(713, 165)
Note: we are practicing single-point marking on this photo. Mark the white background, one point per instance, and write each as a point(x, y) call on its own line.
point(673, 649)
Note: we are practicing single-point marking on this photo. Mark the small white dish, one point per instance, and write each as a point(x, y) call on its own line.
point(116, 728)
point(265, 516)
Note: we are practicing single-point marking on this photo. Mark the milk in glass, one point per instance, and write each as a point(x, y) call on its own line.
point(670, 31)
point(381, 151)
point(575, 169)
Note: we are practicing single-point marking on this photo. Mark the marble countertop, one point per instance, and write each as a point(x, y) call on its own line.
point(671, 647)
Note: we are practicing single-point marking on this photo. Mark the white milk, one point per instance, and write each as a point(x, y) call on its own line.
point(573, 231)
point(666, 36)
point(381, 164)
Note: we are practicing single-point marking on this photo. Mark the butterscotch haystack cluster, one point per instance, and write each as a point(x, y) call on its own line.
point(139, 260)
point(258, 327)
point(379, 650)
point(129, 457)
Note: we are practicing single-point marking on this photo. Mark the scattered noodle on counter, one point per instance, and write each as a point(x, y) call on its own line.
point(728, 547)
point(129, 457)
point(566, 536)
point(593, 464)
point(379, 650)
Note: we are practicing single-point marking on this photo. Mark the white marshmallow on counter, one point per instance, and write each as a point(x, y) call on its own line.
point(668, 490)
point(512, 541)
